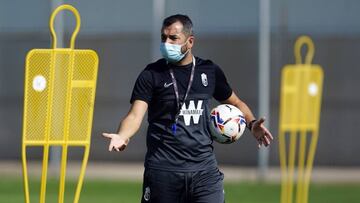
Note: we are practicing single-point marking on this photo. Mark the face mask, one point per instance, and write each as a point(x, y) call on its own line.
point(172, 52)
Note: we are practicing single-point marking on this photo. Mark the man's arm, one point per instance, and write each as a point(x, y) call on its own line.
point(128, 126)
point(260, 132)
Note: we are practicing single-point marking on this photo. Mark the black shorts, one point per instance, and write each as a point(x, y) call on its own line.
point(183, 187)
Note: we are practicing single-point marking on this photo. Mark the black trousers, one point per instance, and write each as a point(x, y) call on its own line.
point(183, 187)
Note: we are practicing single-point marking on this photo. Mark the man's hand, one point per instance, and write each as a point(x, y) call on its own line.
point(117, 142)
point(261, 133)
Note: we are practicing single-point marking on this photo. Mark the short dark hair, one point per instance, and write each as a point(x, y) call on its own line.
point(183, 19)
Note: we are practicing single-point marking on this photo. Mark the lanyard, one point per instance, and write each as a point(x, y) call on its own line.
point(176, 90)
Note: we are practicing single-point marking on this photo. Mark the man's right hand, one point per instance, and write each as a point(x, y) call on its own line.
point(117, 142)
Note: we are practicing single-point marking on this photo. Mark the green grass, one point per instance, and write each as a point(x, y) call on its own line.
point(99, 191)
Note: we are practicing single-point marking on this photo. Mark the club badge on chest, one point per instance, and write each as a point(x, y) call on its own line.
point(204, 79)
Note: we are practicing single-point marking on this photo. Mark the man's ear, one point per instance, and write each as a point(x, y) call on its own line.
point(190, 43)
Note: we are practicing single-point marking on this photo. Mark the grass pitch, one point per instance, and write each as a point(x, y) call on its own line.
point(105, 191)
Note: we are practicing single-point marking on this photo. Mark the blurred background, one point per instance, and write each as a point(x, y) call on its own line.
point(126, 36)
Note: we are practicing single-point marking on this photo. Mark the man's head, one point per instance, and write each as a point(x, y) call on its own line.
point(184, 20)
point(176, 33)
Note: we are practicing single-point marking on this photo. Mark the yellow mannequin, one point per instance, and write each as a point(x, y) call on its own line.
point(58, 103)
point(301, 90)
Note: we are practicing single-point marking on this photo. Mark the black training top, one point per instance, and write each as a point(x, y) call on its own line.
point(190, 148)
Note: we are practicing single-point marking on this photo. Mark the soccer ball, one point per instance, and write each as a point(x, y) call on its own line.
point(227, 123)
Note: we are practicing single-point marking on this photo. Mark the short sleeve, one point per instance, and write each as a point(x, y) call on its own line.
point(222, 88)
point(143, 87)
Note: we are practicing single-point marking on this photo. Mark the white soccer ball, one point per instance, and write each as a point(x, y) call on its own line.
point(227, 123)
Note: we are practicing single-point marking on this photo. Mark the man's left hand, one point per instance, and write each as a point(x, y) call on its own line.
point(261, 133)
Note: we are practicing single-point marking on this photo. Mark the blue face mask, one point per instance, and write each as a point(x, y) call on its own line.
point(172, 52)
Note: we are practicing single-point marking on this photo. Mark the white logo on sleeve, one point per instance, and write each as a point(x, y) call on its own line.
point(191, 112)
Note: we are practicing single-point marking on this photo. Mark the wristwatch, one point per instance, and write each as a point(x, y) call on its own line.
point(250, 124)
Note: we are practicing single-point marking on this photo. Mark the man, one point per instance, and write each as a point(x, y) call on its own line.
point(180, 164)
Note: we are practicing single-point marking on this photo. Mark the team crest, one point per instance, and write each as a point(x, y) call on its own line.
point(147, 194)
point(204, 79)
